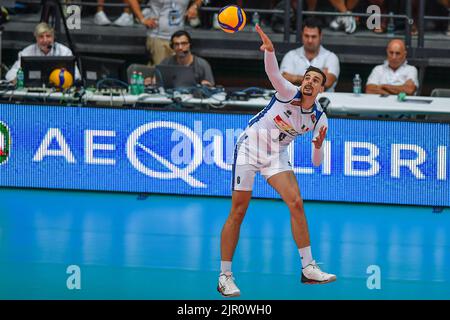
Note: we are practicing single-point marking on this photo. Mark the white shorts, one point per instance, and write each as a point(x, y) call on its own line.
point(244, 171)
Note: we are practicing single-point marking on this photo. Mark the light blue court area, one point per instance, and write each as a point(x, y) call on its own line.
point(167, 247)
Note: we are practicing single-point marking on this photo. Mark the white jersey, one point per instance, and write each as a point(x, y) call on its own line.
point(283, 119)
point(262, 147)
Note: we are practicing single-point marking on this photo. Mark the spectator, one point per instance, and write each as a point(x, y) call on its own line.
point(295, 62)
point(45, 46)
point(163, 18)
point(181, 44)
point(395, 75)
point(348, 23)
point(277, 20)
point(101, 19)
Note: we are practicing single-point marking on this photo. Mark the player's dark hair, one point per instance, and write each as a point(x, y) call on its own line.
point(311, 68)
point(312, 23)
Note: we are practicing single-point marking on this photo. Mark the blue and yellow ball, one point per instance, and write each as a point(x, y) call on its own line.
point(61, 78)
point(231, 18)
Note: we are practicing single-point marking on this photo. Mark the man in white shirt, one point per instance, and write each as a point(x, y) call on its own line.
point(295, 62)
point(45, 46)
point(395, 75)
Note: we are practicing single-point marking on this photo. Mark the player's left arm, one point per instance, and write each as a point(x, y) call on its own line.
point(319, 135)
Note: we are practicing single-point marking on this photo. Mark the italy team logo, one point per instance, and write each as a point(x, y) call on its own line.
point(5, 142)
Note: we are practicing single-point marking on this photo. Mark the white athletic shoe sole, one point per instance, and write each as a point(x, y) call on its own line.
point(228, 295)
point(305, 280)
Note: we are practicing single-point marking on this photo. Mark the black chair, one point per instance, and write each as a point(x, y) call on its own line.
point(440, 92)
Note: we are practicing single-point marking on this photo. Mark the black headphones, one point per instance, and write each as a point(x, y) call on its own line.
point(180, 33)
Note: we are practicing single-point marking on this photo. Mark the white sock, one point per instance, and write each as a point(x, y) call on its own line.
point(225, 266)
point(305, 255)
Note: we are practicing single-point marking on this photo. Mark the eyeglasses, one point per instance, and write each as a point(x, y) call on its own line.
point(182, 44)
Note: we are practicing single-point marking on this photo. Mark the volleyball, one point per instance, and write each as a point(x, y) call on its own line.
point(61, 78)
point(231, 18)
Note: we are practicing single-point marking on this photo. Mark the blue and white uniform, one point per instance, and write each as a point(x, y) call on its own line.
point(263, 146)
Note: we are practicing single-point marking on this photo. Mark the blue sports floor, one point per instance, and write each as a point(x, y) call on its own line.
point(167, 247)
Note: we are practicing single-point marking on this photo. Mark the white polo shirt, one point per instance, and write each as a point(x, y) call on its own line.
point(57, 50)
point(383, 74)
point(296, 62)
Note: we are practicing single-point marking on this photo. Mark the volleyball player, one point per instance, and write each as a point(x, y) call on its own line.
point(262, 147)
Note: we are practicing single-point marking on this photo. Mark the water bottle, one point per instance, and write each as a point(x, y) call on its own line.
point(140, 83)
point(20, 79)
point(133, 83)
point(255, 19)
point(356, 85)
point(391, 25)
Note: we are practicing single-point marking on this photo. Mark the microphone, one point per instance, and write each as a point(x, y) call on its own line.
point(184, 53)
point(49, 47)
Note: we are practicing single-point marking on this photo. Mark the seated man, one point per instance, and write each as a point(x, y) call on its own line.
point(45, 46)
point(181, 44)
point(395, 75)
point(295, 62)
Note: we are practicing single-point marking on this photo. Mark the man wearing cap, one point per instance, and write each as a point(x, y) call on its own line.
point(45, 46)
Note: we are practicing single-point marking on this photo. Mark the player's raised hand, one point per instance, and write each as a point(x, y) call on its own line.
point(267, 43)
point(320, 138)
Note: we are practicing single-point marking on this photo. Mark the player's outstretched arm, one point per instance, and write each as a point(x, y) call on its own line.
point(286, 91)
point(266, 42)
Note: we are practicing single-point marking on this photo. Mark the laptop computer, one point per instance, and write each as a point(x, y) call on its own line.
point(37, 69)
point(171, 76)
point(97, 68)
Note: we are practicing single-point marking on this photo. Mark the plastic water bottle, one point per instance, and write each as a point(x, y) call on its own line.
point(255, 19)
point(356, 85)
point(401, 97)
point(133, 83)
point(391, 25)
point(140, 83)
point(20, 79)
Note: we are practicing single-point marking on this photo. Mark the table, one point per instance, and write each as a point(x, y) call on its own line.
point(339, 103)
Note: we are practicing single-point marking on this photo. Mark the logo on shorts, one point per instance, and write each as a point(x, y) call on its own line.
point(5, 142)
point(238, 180)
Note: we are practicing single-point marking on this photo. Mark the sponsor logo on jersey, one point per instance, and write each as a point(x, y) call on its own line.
point(283, 126)
point(288, 113)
